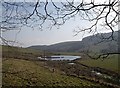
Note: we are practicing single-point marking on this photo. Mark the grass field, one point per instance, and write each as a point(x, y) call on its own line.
point(21, 53)
point(20, 67)
point(111, 63)
point(18, 72)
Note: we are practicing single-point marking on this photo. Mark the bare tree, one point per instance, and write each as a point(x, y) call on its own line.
point(101, 15)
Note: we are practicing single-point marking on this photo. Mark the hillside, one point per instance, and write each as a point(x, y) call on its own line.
point(21, 53)
point(18, 72)
point(91, 42)
point(60, 47)
point(18, 69)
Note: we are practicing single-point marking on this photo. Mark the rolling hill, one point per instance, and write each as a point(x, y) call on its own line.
point(21, 69)
point(97, 43)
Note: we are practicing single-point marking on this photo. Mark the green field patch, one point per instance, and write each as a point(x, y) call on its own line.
point(110, 63)
point(18, 72)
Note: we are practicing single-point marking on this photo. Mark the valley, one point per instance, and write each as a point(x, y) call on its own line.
point(21, 67)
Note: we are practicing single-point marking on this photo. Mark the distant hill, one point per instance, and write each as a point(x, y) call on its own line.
point(94, 43)
point(60, 47)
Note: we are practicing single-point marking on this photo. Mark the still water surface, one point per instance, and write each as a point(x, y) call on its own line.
point(64, 57)
point(61, 57)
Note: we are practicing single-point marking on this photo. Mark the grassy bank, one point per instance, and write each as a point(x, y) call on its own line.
point(18, 72)
point(110, 63)
point(22, 68)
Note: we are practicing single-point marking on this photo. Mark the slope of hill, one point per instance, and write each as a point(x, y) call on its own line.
point(19, 70)
point(60, 47)
point(21, 53)
point(90, 42)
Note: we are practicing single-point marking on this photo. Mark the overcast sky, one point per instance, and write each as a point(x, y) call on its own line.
point(28, 37)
